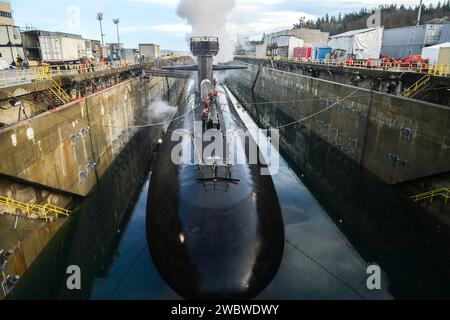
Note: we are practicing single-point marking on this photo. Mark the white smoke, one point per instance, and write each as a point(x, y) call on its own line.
point(209, 18)
point(160, 111)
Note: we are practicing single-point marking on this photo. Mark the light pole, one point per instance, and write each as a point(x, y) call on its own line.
point(116, 22)
point(100, 19)
point(420, 13)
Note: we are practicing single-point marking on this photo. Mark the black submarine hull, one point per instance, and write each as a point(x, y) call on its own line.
point(213, 239)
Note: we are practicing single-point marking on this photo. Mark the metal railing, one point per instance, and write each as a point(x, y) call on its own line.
point(442, 192)
point(46, 212)
point(60, 91)
point(416, 86)
point(431, 69)
point(22, 76)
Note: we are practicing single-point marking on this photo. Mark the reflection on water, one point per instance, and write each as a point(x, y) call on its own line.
point(90, 239)
point(374, 216)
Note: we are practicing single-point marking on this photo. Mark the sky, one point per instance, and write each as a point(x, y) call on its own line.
point(156, 21)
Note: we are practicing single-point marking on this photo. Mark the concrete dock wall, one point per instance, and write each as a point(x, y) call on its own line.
point(397, 139)
point(70, 149)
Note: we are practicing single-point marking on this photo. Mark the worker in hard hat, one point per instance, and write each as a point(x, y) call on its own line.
point(204, 117)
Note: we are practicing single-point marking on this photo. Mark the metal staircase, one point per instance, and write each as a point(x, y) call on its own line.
point(56, 95)
point(416, 87)
point(59, 92)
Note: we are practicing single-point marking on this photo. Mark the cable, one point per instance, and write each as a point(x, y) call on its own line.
point(126, 272)
point(147, 125)
point(320, 112)
point(331, 273)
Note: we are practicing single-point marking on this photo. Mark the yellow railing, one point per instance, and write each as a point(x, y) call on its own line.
point(416, 86)
point(442, 192)
point(19, 76)
point(34, 211)
point(431, 69)
point(60, 91)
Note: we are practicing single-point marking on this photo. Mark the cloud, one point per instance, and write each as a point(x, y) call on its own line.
point(172, 29)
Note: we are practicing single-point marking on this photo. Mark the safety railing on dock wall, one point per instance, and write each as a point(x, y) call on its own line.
point(46, 212)
point(12, 77)
point(416, 86)
point(431, 69)
point(431, 195)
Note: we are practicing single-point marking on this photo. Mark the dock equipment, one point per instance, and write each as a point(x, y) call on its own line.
point(442, 192)
point(46, 212)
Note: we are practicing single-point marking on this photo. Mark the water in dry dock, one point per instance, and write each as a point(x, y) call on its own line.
point(326, 251)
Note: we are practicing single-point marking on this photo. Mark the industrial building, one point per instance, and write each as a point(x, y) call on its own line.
point(10, 38)
point(55, 47)
point(361, 44)
point(408, 41)
point(6, 18)
point(310, 37)
point(149, 50)
point(283, 46)
point(283, 43)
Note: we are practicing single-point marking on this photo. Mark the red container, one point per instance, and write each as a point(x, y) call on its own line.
point(305, 52)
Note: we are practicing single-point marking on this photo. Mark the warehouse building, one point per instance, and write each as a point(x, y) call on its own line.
point(408, 41)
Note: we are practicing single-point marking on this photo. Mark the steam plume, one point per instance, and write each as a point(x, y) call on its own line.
point(208, 18)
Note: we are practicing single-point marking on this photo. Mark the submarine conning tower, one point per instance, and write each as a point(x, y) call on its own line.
point(205, 48)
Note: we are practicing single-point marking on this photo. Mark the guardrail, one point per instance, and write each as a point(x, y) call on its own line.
point(431, 69)
point(46, 212)
point(442, 192)
point(23, 76)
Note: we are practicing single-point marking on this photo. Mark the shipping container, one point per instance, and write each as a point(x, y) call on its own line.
point(149, 50)
point(304, 52)
point(294, 43)
point(321, 53)
point(61, 49)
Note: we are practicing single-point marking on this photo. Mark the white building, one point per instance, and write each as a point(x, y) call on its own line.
point(438, 54)
point(149, 50)
point(362, 44)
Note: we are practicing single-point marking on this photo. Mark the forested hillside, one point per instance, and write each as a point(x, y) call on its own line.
point(392, 16)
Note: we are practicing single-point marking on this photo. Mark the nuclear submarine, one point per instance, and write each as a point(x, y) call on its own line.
point(214, 231)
